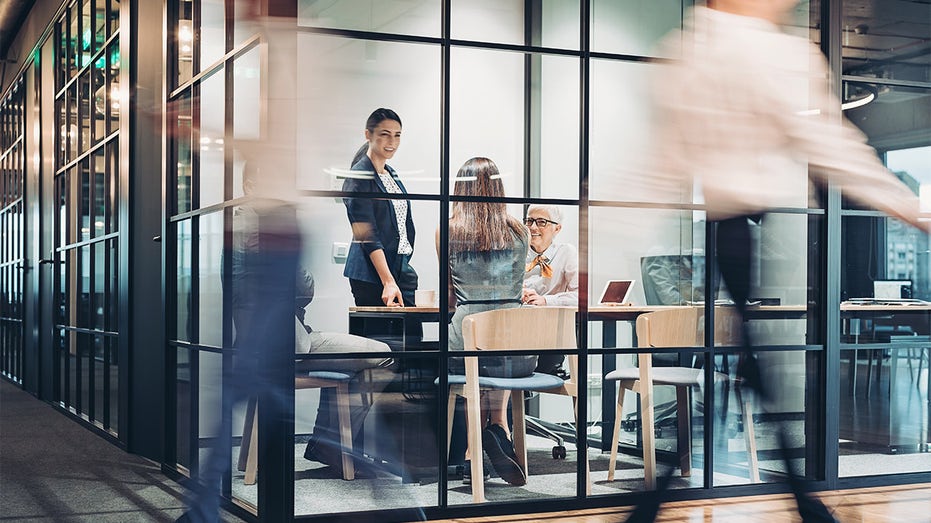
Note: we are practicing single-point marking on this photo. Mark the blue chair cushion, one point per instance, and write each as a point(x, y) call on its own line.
point(536, 381)
point(327, 375)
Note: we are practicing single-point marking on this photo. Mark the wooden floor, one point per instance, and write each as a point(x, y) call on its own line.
point(900, 504)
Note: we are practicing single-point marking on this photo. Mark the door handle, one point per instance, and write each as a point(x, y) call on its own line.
point(45, 261)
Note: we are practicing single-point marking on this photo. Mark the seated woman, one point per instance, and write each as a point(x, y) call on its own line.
point(552, 276)
point(487, 253)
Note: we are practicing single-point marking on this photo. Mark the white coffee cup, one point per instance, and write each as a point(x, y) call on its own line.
point(425, 298)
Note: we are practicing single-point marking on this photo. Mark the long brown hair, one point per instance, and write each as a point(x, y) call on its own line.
point(481, 226)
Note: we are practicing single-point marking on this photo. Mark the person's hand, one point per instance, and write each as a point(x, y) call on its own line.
point(531, 297)
point(391, 295)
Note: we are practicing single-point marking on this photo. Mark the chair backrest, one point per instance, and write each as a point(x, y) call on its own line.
point(685, 327)
point(542, 328)
point(669, 328)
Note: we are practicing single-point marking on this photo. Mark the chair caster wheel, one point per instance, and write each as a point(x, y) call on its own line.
point(559, 452)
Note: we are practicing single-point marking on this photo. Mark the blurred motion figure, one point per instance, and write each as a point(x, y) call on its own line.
point(740, 114)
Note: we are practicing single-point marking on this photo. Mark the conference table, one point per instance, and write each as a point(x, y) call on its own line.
point(859, 321)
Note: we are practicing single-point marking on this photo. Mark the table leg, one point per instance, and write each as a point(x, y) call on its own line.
point(608, 388)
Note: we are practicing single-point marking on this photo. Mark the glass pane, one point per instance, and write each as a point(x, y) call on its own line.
point(475, 102)
point(398, 443)
point(558, 24)
point(99, 22)
point(101, 278)
point(113, 288)
point(332, 116)
point(209, 403)
point(183, 392)
point(74, 33)
point(664, 252)
point(873, 40)
point(185, 283)
point(417, 17)
point(183, 133)
point(609, 178)
point(113, 96)
point(114, 15)
point(677, 428)
point(212, 35)
point(85, 108)
point(85, 288)
point(247, 106)
point(554, 127)
point(794, 411)
point(98, 164)
point(185, 44)
point(633, 27)
point(84, 209)
point(883, 391)
point(887, 116)
point(112, 370)
point(488, 20)
point(210, 159)
point(112, 192)
point(209, 286)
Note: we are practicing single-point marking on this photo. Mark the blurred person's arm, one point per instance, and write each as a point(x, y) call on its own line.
point(837, 152)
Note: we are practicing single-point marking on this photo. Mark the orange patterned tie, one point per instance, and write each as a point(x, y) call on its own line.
point(545, 270)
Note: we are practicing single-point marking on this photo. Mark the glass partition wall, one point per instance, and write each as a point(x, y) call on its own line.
point(12, 217)
point(86, 257)
point(554, 93)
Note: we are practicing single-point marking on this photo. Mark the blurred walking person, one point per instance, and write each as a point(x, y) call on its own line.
point(739, 114)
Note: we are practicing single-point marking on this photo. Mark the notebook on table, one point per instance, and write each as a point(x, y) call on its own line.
point(616, 292)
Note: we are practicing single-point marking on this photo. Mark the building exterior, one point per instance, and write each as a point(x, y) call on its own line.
point(125, 128)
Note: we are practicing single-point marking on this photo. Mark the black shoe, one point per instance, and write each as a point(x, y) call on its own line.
point(500, 451)
point(467, 473)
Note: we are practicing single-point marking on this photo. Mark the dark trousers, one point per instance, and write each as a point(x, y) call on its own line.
point(734, 250)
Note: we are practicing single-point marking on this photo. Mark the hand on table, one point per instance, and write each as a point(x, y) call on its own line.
point(391, 295)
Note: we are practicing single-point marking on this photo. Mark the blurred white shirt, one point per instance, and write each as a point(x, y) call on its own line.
point(747, 110)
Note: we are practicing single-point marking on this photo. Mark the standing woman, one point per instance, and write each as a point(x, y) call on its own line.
point(487, 256)
point(378, 265)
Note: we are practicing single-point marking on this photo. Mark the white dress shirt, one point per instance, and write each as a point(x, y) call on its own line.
point(563, 288)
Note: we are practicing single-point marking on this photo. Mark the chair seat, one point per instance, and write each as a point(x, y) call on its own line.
point(326, 375)
point(662, 375)
point(536, 381)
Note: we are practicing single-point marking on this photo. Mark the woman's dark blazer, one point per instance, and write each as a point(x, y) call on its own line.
point(382, 232)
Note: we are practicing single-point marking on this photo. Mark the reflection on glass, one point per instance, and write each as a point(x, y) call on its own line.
point(632, 28)
point(212, 37)
point(184, 47)
point(488, 20)
point(185, 282)
point(885, 114)
point(476, 101)
point(183, 392)
point(884, 418)
point(209, 286)
point(101, 278)
point(415, 17)
point(399, 444)
point(331, 117)
point(183, 134)
point(211, 140)
point(794, 410)
point(554, 151)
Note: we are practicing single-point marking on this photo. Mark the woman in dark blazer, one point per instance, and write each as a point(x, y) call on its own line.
point(378, 265)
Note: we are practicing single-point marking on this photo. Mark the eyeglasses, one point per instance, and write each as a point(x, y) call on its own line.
point(540, 222)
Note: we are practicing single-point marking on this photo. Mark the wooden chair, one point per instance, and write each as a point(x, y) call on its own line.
point(680, 327)
point(248, 460)
point(537, 328)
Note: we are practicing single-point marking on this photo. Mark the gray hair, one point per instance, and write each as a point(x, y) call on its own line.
point(552, 210)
